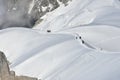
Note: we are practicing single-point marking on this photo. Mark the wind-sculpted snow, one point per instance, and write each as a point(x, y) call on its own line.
point(76, 42)
point(47, 48)
point(61, 54)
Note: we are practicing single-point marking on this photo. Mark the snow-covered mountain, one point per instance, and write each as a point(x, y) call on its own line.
point(25, 13)
point(79, 41)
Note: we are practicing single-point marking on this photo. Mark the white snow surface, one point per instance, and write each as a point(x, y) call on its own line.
point(83, 43)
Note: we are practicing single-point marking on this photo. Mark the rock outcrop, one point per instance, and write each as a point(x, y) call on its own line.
point(41, 7)
point(6, 74)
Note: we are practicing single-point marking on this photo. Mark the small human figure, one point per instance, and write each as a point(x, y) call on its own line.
point(76, 37)
point(79, 37)
point(48, 31)
point(83, 42)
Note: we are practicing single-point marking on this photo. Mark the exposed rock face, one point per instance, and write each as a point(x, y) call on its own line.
point(25, 13)
point(41, 7)
point(6, 74)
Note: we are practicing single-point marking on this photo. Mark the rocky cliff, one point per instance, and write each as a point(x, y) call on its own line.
point(6, 74)
point(25, 13)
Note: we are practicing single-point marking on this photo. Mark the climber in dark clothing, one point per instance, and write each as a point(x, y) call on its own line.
point(48, 31)
point(83, 42)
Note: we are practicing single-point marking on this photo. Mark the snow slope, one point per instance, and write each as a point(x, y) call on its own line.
point(83, 43)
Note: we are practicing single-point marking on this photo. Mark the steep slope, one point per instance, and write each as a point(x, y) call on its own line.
point(81, 13)
point(25, 13)
point(6, 74)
